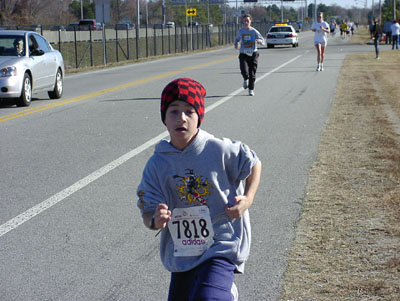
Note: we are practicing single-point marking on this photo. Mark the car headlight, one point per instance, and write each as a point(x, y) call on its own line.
point(8, 71)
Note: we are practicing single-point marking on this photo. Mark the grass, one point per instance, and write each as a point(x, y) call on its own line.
point(347, 245)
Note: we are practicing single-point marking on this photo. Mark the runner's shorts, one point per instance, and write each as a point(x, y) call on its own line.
point(323, 42)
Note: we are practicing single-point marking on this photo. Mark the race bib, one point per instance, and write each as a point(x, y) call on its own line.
point(191, 230)
point(249, 52)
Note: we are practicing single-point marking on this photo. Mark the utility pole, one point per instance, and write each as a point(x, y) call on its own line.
point(315, 11)
point(118, 15)
point(162, 12)
point(81, 11)
point(147, 12)
point(394, 10)
point(306, 8)
point(237, 13)
point(138, 14)
point(380, 12)
point(208, 11)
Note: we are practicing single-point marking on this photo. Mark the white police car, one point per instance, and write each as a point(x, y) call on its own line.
point(282, 34)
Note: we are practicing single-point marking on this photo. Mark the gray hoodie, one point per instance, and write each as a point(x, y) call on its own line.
point(209, 172)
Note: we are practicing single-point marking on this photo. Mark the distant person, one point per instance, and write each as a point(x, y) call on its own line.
point(19, 47)
point(376, 34)
point(197, 189)
point(248, 57)
point(343, 29)
point(349, 26)
point(395, 34)
point(300, 26)
point(321, 29)
point(387, 29)
point(332, 27)
point(371, 26)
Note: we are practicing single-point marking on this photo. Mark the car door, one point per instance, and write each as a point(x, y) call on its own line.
point(49, 61)
point(37, 64)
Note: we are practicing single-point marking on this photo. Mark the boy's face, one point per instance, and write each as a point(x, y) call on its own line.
point(181, 120)
point(246, 22)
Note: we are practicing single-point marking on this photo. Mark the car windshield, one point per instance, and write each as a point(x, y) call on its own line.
point(12, 45)
point(281, 29)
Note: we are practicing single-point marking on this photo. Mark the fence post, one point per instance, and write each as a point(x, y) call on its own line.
point(155, 40)
point(162, 40)
point(127, 42)
point(147, 42)
point(137, 41)
point(169, 41)
point(181, 38)
point(116, 42)
point(91, 47)
point(76, 49)
point(104, 45)
point(59, 39)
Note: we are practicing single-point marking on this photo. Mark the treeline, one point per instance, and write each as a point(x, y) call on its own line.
point(63, 12)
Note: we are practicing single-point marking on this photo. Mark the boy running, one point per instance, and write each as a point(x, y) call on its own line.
point(192, 190)
point(248, 57)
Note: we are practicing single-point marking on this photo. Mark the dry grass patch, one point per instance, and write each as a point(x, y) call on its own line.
point(348, 237)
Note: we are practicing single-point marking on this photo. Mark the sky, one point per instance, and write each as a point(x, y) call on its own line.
point(342, 3)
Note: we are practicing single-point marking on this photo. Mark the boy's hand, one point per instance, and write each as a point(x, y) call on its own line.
point(242, 203)
point(161, 216)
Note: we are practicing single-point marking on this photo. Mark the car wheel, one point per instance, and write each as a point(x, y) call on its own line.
point(58, 86)
point(270, 46)
point(26, 94)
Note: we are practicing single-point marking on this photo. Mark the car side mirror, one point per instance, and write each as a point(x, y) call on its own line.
point(37, 52)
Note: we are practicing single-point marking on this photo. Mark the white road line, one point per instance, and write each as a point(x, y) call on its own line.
point(60, 196)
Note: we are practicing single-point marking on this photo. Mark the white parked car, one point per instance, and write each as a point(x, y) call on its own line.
point(282, 34)
point(170, 24)
point(29, 64)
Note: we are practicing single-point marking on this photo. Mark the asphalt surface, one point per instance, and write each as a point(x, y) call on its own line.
point(69, 225)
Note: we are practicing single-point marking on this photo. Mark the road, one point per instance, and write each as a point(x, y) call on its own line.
point(69, 225)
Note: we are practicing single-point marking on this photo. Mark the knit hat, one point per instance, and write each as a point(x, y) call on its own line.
point(184, 89)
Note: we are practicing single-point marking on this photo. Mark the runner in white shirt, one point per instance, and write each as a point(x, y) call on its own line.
point(321, 29)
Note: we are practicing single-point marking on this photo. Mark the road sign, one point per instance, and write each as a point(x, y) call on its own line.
point(191, 12)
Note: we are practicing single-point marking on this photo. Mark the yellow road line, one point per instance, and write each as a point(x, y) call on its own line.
point(109, 90)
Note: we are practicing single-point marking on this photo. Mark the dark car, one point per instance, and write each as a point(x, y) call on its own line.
point(88, 24)
point(73, 26)
point(125, 26)
point(58, 27)
point(160, 26)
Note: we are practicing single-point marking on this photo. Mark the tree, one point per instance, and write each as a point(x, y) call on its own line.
point(387, 10)
point(88, 9)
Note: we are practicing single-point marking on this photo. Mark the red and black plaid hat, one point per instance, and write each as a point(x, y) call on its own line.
point(185, 89)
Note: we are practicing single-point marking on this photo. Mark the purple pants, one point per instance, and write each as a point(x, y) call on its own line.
point(212, 280)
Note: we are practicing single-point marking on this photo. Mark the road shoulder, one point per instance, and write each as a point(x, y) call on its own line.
point(347, 241)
